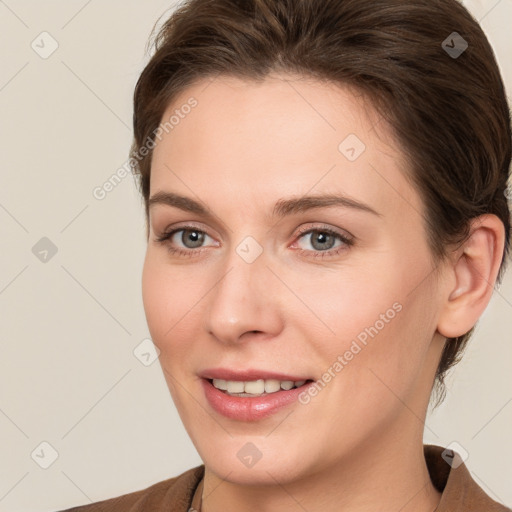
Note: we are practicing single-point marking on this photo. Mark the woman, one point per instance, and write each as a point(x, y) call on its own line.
point(325, 190)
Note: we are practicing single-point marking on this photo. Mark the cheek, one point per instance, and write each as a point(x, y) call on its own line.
point(155, 296)
point(169, 296)
point(372, 322)
point(345, 305)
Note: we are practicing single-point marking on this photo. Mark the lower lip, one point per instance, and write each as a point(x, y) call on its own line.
point(249, 408)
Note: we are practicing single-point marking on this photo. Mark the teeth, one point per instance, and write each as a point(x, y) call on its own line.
point(287, 384)
point(235, 387)
point(272, 385)
point(255, 387)
point(220, 384)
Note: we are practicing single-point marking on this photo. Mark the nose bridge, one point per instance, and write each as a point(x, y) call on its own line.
point(240, 300)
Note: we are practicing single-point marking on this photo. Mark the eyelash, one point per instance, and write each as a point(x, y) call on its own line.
point(348, 242)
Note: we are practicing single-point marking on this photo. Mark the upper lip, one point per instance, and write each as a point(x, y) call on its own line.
point(247, 375)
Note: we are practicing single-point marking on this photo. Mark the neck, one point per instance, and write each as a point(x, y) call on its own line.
point(387, 474)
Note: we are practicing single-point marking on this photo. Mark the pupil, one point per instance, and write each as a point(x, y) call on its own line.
point(194, 238)
point(322, 238)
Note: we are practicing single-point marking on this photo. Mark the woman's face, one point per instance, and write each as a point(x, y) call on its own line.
point(263, 280)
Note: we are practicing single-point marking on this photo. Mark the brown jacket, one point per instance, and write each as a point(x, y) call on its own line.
point(460, 493)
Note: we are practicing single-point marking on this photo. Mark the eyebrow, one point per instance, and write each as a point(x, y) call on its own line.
point(282, 208)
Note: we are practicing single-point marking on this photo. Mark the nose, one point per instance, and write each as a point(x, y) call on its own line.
point(244, 301)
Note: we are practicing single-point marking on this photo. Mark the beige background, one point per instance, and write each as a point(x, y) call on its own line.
point(69, 326)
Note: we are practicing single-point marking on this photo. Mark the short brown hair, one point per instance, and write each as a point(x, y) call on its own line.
point(448, 112)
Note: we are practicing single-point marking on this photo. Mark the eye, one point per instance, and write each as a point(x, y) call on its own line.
point(188, 241)
point(191, 239)
point(323, 240)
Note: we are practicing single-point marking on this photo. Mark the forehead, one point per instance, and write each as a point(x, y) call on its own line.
point(283, 136)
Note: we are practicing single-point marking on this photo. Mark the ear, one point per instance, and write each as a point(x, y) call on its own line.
point(471, 276)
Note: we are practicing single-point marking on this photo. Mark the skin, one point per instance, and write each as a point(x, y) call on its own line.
point(245, 146)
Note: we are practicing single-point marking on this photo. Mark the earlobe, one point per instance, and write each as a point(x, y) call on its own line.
point(474, 271)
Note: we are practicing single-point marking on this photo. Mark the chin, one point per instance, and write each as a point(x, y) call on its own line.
point(254, 460)
point(261, 474)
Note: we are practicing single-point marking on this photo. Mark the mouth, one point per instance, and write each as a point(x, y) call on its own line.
point(256, 388)
point(251, 395)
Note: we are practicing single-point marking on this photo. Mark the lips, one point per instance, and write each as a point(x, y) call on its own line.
point(249, 375)
point(242, 407)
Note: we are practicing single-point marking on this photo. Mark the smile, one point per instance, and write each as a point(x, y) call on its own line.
point(252, 400)
point(258, 387)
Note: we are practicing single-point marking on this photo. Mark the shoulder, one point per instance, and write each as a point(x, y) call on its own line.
point(171, 494)
point(453, 479)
